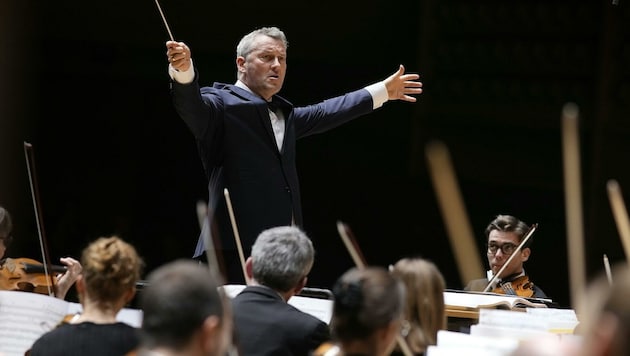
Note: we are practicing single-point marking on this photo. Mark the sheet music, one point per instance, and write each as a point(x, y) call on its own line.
point(506, 332)
point(485, 300)
point(511, 319)
point(129, 316)
point(317, 307)
point(25, 316)
point(457, 343)
point(559, 321)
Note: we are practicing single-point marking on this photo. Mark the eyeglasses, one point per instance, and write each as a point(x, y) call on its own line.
point(6, 240)
point(507, 248)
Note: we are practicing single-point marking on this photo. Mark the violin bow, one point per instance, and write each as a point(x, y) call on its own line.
point(351, 245)
point(517, 250)
point(573, 200)
point(607, 270)
point(204, 214)
point(620, 214)
point(453, 211)
point(359, 261)
point(237, 236)
point(30, 165)
point(211, 254)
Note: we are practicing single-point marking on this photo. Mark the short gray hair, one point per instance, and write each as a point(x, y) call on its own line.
point(246, 44)
point(281, 257)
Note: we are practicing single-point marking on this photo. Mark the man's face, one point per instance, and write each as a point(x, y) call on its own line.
point(498, 241)
point(264, 68)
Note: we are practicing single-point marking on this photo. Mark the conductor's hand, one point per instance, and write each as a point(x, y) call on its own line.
point(178, 55)
point(401, 86)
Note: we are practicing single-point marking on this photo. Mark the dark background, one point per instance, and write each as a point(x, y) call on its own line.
point(85, 82)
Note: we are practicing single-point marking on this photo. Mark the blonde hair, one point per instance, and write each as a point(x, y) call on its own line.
point(424, 307)
point(111, 267)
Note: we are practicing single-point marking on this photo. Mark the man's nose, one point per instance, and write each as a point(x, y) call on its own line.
point(499, 252)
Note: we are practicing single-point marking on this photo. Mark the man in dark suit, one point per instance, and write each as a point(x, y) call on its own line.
point(503, 235)
point(264, 322)
point(246, 134)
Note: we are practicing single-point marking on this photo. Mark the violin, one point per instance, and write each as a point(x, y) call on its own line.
point(27, 275)
point(520, 286)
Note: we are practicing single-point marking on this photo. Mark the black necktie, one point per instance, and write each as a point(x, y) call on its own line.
point(272, 106)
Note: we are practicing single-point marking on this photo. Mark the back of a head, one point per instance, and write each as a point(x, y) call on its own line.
point(365, 300)
point(111, 267)
point(179, 297)
point(424, 307)
point(6, 225)
point(281, 257)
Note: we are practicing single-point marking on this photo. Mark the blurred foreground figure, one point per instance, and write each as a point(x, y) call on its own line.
point(183, 313)
point(367, 314)
point(425, 312)
point(604, 328)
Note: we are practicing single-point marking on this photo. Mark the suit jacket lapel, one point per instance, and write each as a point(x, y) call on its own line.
point(261, 108)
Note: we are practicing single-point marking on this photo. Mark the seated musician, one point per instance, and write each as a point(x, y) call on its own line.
point(184, 313)
point(264, 322)
point(367, 313)
point(503, 235)
point(108, 282)
point(425, 312)
point(64, 281)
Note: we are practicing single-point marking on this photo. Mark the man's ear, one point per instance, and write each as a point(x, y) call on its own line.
point(210, 334)
point(525, 253)
point(301, 284)
point(249, 268)
point(240, 63)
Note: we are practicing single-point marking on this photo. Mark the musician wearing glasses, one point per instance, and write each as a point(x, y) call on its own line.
point(503, 236)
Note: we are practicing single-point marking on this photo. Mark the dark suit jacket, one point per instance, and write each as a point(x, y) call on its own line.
point(264, 324)
point(238, 150)
point(478, 285)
